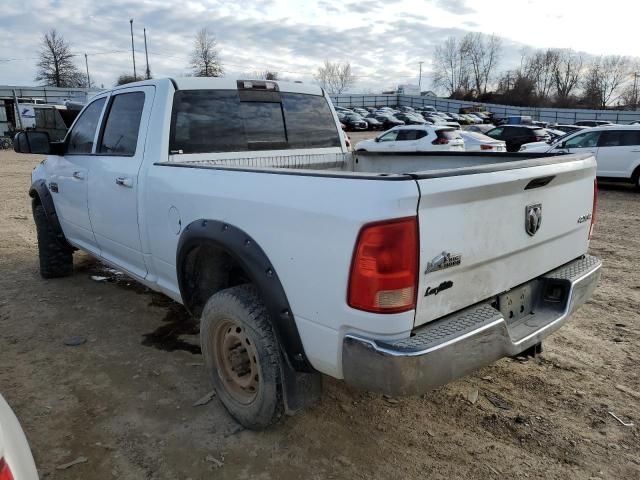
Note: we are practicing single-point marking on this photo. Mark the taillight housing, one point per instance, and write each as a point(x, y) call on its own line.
point(440, 141)
point(486, 147)
point(5, 471)
point(594, 207)
point(384, 267)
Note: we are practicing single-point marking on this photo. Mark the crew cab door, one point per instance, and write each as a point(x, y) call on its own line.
point(113, 178)
point(69, 174)
point(618, 152)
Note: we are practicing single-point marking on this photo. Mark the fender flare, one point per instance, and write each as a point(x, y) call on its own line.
point(40, 190)
point(244, 250)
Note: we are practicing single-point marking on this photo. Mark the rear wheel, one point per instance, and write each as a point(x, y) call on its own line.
point(636, 178)
point(242, 355)
point(55, 259)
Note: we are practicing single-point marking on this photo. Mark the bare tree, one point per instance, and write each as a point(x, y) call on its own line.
point(55, 64)
point(335, 78)
point(205, 59)
point(482, 52)
point(451, 68)
point(540, 68)
point(128, 78)
point(265, 75)
point(605, 76)
point(566, 75)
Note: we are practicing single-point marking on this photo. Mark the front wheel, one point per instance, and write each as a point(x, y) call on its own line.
point(55, 259)
point(242, 355)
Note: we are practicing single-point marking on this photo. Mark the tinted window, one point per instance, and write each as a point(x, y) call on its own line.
point(84, 131)
point(496, 132)
point(120, 135)
point(583, 140)
point(410, 134)
point(217, 121)
point(619, 138)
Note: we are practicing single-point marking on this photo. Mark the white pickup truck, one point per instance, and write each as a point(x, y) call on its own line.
point(239, 199)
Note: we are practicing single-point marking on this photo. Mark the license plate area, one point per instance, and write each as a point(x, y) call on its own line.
point(518, 302)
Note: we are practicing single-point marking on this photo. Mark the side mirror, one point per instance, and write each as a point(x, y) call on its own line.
point(377, 139)
point(31, 142)
point(561, 146)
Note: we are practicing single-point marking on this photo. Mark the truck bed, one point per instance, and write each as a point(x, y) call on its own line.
point(372, 165)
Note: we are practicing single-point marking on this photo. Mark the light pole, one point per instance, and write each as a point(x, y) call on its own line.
point(420, 77)
point(133, 51)
point(86, 63)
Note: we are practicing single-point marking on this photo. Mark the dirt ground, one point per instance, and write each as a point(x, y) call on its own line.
point(124, 399)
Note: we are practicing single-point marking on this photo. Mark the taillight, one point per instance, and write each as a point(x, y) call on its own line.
point(440, 141)
point(486, 147)
point(594, 207)
point(5, 472)
point(384, 267)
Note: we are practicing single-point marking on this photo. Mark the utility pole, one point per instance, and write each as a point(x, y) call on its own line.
point(86, 62)
point(635, 90)
point(133, 51)
point(146, 53)
point(420, 78)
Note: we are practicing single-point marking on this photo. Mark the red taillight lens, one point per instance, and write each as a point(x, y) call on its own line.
point(486, 147)
point(594, 208)
point(440, 141)
point(5, 472)
point(384, 267)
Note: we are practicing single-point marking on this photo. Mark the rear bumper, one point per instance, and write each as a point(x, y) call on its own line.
point(455, 345)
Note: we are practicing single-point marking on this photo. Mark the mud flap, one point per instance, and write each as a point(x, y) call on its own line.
point(300, 389)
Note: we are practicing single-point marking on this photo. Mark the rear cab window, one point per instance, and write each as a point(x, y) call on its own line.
point(210, 121)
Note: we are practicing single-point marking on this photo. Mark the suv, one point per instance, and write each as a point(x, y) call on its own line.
point(616, 148)
point(517, 135)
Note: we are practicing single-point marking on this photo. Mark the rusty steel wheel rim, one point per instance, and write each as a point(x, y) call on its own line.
point(236, 361)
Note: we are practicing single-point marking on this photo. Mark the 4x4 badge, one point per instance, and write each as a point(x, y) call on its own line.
point(533, 218)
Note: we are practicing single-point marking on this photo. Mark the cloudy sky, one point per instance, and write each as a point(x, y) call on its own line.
point(383, 39)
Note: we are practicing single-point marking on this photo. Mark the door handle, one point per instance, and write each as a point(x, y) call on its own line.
point(124, 182)
point(78, 175)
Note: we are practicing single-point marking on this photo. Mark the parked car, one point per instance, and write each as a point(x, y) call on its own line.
point(388, 121)
point(410, 119)
point(593, 123)
point(616, 148)
point(354, 122)
point(414, 139)
point(373, 123)
point(16, 460)
point(517, 135)
point(477, 142)
point(481, 128)
point(569, 128)
point(429, 109)
point(424, 267)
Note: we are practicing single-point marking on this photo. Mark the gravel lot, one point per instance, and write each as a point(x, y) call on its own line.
point(124, 399)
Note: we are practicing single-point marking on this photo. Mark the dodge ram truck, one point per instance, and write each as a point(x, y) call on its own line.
point(239, 199)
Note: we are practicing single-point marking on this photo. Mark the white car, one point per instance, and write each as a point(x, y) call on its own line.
point(16, 461)
point(477, 142)
point(616, 148)
point(415, 138)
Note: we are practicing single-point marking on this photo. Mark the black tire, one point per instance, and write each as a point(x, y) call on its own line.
point(243, 306)
point(55, 260)
point(636, 178)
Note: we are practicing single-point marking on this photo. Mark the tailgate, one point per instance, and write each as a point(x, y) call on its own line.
point(480, 217)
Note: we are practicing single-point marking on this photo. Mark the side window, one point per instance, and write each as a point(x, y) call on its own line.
point(583, 140)
point(120, 135)
point(496, 132)
point(389, 137)
point(629, 138)
point(611, 138)
point(407, 135)
point(84, 131)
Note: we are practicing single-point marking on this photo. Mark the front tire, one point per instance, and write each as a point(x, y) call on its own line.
point(55, 260)
point(243, 357)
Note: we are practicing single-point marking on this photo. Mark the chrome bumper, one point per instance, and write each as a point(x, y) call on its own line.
point(457, 344)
